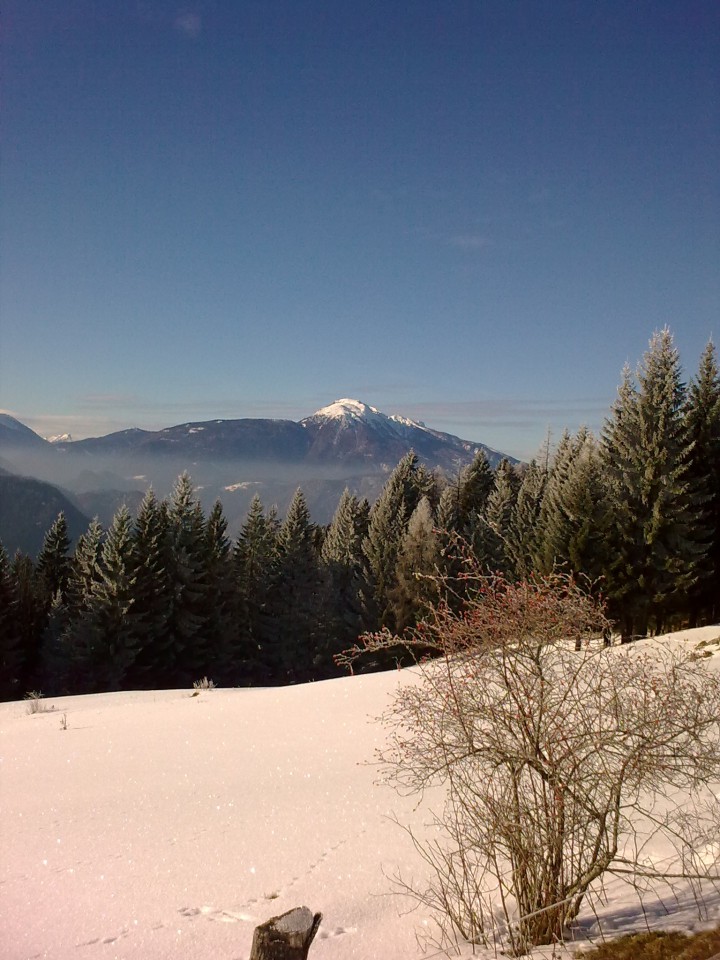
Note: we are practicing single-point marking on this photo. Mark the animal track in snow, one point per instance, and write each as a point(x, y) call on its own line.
point(337, 932)
point(238, 914)
point(90, 943)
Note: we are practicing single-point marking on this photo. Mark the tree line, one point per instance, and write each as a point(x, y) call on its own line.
point(166, 597)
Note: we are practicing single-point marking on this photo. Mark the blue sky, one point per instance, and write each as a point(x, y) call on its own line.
point(470, 212)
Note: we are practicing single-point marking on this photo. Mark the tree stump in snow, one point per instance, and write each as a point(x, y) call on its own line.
point(287, 937)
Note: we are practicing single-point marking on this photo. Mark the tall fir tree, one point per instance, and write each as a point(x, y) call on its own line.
point(106, 636)
point(255, 560)
point(61, 663)
point(575, 519)
point(32, 611)
point(654, 535)
point(554, 524)
point(490, 537)
point(475, 484)
point(523, 536)
point(388, 520)
point(53, 562)
point(299, 593)
point(11, 649)
point(448, 511)
point(342, 558)
point(185, 557)
point(85, 569)
point(418, 563)
point(220, 597)
point(156, 661)
point(702, 419)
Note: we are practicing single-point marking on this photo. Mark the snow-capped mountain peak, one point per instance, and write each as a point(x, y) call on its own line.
point(348, 409)
point(352, 430)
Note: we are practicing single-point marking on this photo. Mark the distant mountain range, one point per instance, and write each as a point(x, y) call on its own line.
point(28, 508)
point(347, 432)
point(347, 443)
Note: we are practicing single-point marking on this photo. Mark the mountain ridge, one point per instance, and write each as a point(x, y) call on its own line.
point(345, 431)
point(347, 443)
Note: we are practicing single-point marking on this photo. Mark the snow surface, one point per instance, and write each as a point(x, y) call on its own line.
point(168, 825)
point(348, 409)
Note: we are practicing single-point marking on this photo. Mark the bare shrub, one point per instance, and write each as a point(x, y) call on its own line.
point(560, 758)
point(203, 684)
point(35, 702)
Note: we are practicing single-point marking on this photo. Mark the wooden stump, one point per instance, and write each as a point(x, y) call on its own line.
point(287, 937)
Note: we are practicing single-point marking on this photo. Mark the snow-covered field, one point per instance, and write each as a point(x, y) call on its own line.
point(166, 825)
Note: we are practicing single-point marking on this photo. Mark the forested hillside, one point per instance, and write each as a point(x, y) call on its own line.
point(167, 597)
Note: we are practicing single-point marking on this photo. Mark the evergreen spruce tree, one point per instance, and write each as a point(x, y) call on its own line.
point(32, 609)
point(84, 570)
point(185, 556)
point(475, 484)
point(52, 570)
point(702, 419)
point(490, 539)
point(448, 512)
point(299, 648)
point(11, 650)
point(56, 665)
point(453, 538)
point(106, 635)
point(575, 523)
point(220, 597)
point(585, 497)
point(388, 519)
point(523, 536)
point(53, 562)
point(654, 536)
point(255, 562)
point(424, 483)
point(342, 558)
point(156, 662)
point(61, 669)
point(555, 527)
point(418, 562)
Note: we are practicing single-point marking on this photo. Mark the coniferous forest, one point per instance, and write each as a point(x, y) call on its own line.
point(167, 597)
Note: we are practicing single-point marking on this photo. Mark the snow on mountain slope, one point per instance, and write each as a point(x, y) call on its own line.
point(352, 430)
point(349, 411)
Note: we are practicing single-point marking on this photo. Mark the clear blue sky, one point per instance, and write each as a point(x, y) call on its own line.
point(471, 212)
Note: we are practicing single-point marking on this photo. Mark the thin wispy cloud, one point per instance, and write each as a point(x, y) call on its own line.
point(470, 241)
point(106, 401)
point(189, 24)
point(510, 410)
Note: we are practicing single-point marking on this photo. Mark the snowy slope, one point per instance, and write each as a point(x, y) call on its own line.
point(350, 429)
point(160, 825)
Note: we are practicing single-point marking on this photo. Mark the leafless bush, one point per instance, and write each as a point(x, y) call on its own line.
point(35, 702)
point(560, 758)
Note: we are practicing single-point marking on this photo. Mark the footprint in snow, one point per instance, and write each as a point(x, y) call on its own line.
point(337, 932)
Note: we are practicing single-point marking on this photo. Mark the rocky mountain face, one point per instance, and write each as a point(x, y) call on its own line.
point(351, 431)
point(346, 432)
point(347, 443)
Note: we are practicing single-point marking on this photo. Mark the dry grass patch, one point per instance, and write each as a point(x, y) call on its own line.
point(659, 945)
